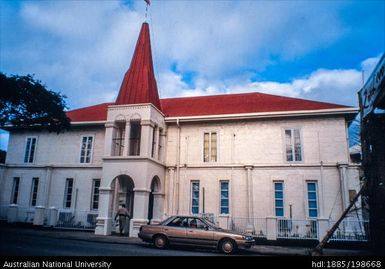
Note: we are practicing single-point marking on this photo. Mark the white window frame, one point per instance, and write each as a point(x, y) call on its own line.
point(210, 132)
point(292, 144)
point(130, 150)
point(14, 190)
point(191, 196)
point(283, 198)
point(66, 192)
point(91, 150)
point(35, 181)
point(307, 199)
point(93, 194)
point(228, 197)
point(29, 149)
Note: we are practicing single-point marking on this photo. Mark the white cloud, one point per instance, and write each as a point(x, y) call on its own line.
point(368, 65)
point(336, 86)
point(217, 37)
point(83, 48)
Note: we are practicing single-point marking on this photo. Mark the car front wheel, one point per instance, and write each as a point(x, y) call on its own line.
point(228, 246)
point(160, 241)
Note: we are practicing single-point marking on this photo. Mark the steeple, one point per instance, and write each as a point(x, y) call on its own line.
point(139, 84)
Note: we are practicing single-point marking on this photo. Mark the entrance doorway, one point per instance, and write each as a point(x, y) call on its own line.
point(155, 187)
point(122, 193)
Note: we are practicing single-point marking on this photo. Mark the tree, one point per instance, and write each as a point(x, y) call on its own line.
point(27, 103)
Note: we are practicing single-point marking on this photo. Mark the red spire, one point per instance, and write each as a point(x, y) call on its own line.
point(139, 84)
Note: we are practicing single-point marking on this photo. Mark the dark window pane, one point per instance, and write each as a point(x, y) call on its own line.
point(279, 212)
point(313, 213)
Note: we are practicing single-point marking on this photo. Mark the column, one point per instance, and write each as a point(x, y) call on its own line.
point(323, 228)
point(249, 190)
point(157, 140)
point(271, 228)
point(344, 186)
point(104, 219)
point(12, 213)
point(38, 218)
point(126, 150)
point(141, 199)
point(158, 207)
point(52, 216)
point(47, 191)
point(146, 138)
point(170, 192)
point(162, 141)
point(110, 126)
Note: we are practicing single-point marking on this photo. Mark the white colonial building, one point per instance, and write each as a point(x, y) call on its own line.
point(271, 165)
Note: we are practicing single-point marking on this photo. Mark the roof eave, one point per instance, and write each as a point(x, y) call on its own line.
point(349, 113)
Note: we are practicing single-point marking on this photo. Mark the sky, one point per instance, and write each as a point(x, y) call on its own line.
point(318, 50)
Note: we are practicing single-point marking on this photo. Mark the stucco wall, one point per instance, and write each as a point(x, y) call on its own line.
point(57, 149)
point(260, 141)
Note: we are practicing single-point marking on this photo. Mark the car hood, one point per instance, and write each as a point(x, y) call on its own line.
point(234, 232)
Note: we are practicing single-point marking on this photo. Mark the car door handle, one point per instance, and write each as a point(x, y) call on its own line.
point(190, 231)
point(166, 229)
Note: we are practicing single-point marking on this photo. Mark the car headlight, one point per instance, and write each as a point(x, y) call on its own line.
point(248, 238)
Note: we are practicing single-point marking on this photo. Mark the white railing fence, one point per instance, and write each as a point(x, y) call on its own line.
point(351, 230)
point(297, 229)
point(256, 226)
point(25, 214)
point(76, 219)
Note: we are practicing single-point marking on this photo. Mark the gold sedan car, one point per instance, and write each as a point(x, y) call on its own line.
point(194, 231)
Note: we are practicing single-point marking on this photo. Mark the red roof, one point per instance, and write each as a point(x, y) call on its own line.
point(214, 105)
point(90, 113)
point(139, 84)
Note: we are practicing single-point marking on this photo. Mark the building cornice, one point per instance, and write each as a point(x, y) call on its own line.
point(46, 166)
point(260, 115)
point(263, 115)
point(257, 166)
point(133, 106)
point(131, 158)
point(88, 123)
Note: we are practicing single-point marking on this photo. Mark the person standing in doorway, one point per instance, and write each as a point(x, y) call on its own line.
point(123, 215)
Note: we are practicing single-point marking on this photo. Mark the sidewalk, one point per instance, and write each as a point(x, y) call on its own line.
point(116, 239)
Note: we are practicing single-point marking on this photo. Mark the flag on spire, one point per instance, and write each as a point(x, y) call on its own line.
point(147, 2)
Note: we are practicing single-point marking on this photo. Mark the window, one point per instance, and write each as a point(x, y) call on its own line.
point(68, 192)
point(135, 131)
point(30, 149)
point(86, 149)
point(118, 141)
point(279, 209)
point(352, 194)
point(34, 189)
point(312, 199)
point(178, 222)
point(196, 224)
point(15, 190)
point(224, 197)
point(95, 194)
point(210, 147)
point(153, 142)
point(195, 197)
point(293, 145)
